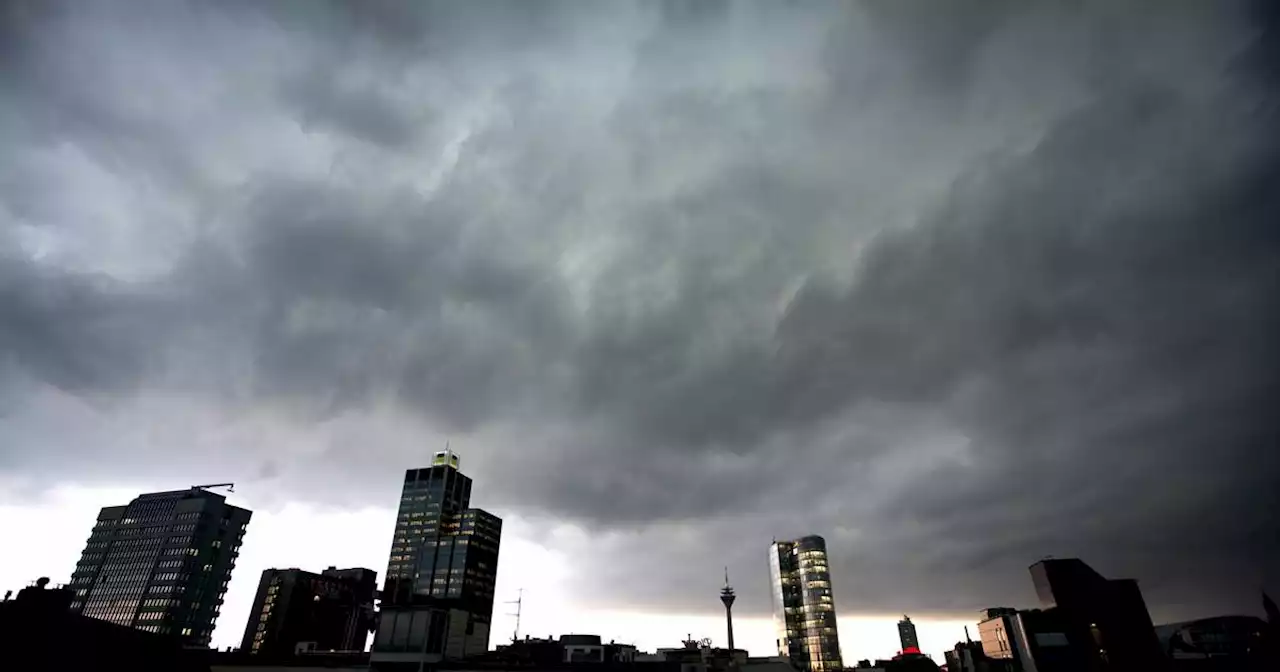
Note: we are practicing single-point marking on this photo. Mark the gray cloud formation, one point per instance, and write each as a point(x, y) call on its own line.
point(957, 288)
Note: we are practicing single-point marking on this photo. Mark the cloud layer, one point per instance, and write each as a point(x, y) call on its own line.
point(956, 288)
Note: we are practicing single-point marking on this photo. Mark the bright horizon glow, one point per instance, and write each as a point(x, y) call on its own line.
point(52, 529)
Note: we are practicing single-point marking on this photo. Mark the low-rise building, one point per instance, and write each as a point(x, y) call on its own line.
point(39, 631)
point(296, 610)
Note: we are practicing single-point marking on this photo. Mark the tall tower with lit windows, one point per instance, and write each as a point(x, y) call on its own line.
point(437, 601)
point(804, 611)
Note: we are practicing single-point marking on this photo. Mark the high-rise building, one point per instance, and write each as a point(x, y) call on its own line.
point(161, 563)
point(329, 611)
point(804, 610)
point(907, 634)
point(437, 601)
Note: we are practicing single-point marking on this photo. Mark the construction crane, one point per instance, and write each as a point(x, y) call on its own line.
point(231, 487)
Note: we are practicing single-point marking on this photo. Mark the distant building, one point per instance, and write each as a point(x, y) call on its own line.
point(531, 651)
point(329, 611)
point(911, 662)
point(1106, 617)
point(437, 602)
point(968, 657)
point(161, 563)
point(700, 656)
point(40, 596)
point(573, 648)
point(803, 608)
point(590, 649)
point(907, 634)
point(1222, 638)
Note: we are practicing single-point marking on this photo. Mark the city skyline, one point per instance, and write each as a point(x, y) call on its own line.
point(757, 629)
point(872, 637)
point(955, 287)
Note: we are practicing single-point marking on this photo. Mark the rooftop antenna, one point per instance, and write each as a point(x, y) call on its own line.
point(231, 487)
point(519, 602)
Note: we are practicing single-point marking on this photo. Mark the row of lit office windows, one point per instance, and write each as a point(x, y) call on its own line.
point(823, 606)
point(107, 523)
point(130, 590)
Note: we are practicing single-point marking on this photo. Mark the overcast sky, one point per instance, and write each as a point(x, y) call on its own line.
point(955, 285)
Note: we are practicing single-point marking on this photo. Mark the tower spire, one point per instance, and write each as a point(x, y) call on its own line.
point(727, 597)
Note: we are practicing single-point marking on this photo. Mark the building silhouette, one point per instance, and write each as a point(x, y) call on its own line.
point(437, 601)
point(293, 609)
point(1221, 638)
point(39, 632)
point(569, 648)
point(161, 563)
point(907, 634)
point(1087, 623)
point(1107, 617)
point(967, 656)
point(803, 607)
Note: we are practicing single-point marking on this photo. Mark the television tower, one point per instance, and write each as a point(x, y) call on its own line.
point(727, 597)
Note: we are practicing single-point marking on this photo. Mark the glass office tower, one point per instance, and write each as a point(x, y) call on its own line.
point(161, 563)
point(804, 611)
point(438, 598)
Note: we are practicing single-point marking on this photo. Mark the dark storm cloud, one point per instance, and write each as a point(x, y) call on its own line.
point(1095, 315)
point(80, 332)
point(359, 112)
point(954, 288)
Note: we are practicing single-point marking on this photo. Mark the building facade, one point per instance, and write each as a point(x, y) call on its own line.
point(907, 634)
point(437, 601)
point(161, 563)
point(329, 611)
point(995, 633)
point(803, 607)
